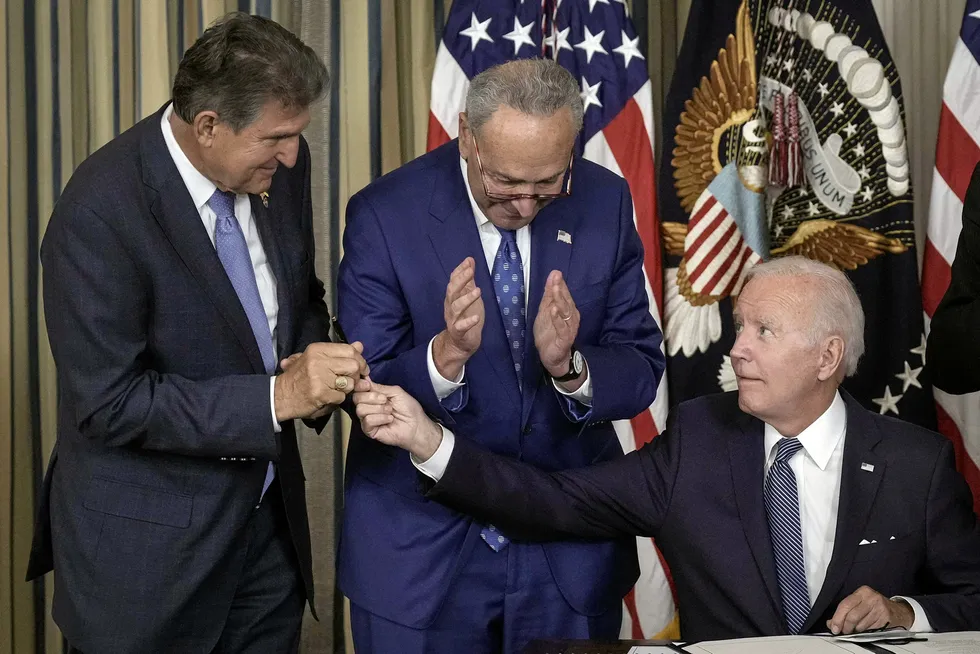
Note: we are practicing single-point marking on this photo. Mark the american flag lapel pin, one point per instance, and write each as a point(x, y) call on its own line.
point(867, 467)
point(564, 236)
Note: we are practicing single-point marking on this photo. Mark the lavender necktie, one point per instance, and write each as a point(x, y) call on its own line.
point(229, 242)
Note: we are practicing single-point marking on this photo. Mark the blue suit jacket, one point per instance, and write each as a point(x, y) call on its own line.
point(405, 234)
point(698, 489)
point(164, 421)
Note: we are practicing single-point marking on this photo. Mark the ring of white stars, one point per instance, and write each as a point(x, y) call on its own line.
point(788, 65)
point(909, 377)
point(807, 75)
point(867, 194)
point(591, 44)
point(813, 209)
point(823, 90)
point(850, 130)
point(859, 150)
point(864, 172)
point(520, 35)
point(788, 212)
point(837, 109)
point(590, 94)
point(477, 31)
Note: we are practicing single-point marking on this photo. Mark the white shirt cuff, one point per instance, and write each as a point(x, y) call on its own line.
point(921, 621)
point(435, 467)
point(584, 392)
point(272, 402)
point(442, 386)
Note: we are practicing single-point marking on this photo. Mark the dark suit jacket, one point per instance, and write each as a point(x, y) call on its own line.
point(698, 489)
point(164, 422)
point(954, 350)
point(405, 234)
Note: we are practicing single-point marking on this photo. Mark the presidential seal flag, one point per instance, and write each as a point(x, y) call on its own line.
point(785, 134)
point(598, 43)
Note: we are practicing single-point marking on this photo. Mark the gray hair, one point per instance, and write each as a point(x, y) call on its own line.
point(240, 63)
point(536, 87)
point(837, 310)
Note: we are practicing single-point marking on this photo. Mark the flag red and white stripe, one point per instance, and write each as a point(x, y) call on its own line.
point(957, 153)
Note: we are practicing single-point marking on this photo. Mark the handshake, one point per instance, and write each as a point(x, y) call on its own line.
point(316, 381)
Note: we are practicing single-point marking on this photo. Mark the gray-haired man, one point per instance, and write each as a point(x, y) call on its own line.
point(515, 310)
point(178, 272)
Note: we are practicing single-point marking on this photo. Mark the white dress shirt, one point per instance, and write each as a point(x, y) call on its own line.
point(201, 189)
point(817, 467)
point(490, 239)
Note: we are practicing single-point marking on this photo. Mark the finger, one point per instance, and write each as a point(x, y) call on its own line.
point(370, 423)
point(358, 347)
point(464, 324)
point(565, 297)
point(330, 368)
point(370, 398)
point(836, 622)
point(362, 385)
point(854, 616)
point(330, 397)
point(874, 619)
point(464, 302)
point(289, 361)
point(363, 410)
point(561, 325)
point(459, 278)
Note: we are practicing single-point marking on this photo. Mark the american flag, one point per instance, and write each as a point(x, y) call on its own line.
point(957, 153)
point(596, 41)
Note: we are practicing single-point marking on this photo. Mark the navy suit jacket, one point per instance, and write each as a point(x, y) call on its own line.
point(405, 234)
point(164, 422)
point(698, 489)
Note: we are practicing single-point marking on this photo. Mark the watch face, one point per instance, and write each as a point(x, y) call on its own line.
point(577, 362)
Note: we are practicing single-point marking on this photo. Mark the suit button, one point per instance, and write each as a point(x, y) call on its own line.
point(527, 431)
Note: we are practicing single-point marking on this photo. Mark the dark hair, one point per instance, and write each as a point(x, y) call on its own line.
point(240, 63)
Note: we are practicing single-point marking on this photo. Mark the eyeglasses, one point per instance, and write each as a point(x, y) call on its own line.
point(566, 186)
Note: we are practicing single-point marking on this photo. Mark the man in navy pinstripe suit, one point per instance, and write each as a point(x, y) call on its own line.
point(178, 272)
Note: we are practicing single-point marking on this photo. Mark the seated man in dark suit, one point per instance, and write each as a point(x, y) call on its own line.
point(783, 508)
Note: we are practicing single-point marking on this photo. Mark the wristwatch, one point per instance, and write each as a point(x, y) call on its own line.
point(576, 364)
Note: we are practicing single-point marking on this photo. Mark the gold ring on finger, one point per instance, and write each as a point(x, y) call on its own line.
point(340, 384)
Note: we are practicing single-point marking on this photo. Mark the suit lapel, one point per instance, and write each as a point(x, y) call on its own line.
point(454, 237)
point(858, 488)
point(547, 254)
point(174, 211)
point(746, 451)
point(268, 226)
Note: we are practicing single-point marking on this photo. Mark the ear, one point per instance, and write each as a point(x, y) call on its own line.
point(831, 358)
point(205, 126)
point(465, 137)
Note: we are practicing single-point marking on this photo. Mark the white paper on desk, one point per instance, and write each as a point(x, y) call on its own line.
point(776, 645)
point(651, 649)
point(963, 642)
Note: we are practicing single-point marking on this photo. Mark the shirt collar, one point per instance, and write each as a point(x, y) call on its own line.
point(200, 187)
point(481, 218)
point(820, 439)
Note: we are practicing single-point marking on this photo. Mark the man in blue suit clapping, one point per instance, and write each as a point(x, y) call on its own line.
point(516, 312)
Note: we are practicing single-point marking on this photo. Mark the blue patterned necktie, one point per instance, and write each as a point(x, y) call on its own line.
point(508, 286)
point(783, 509)
point(232, 249)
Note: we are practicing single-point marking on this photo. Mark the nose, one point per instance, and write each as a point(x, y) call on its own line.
point(288, 151)
point(740, 348)
point(526, 207)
